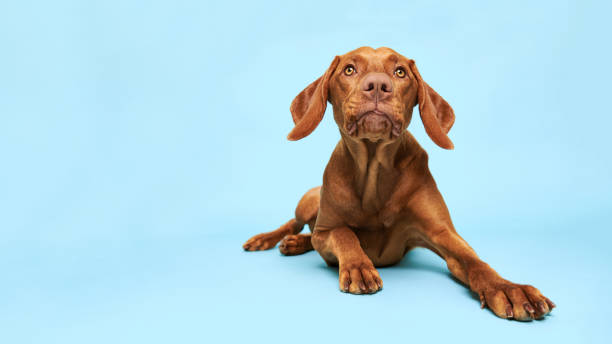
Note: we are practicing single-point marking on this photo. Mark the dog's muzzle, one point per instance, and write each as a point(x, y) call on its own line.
point(374, 123)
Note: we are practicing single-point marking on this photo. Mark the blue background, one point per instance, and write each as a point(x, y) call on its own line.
point(143, 142)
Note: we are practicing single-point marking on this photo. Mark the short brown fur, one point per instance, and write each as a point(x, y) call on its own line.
point(378, 199)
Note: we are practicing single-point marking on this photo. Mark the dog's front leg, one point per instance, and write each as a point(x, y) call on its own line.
point(340, 246)
point(504, 298)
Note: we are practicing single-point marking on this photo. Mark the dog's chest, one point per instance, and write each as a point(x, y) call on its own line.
point(374, 188)
point(366, 216)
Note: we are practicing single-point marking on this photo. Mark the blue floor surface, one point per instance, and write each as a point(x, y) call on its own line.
point(205, 289)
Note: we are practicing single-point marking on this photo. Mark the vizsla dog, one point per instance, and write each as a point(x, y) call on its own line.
point(378, 199)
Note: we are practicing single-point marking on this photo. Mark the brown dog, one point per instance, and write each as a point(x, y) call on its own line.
point(378, 198)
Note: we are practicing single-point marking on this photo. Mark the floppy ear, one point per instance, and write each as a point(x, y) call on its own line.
point(437, 116)
point(308, 108)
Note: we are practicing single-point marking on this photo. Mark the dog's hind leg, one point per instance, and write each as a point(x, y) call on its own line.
point(292, 245)
point(268, 240)
point(306, 212)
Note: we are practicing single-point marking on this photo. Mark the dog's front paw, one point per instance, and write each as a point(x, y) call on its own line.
point(515, 301)
point(359, 277)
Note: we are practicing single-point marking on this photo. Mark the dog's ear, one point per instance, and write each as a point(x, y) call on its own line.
point(437, 116)
point(308, 108)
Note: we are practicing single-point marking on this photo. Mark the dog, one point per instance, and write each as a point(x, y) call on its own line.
point(378, 199)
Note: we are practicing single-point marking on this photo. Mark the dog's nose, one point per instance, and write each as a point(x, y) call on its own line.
point(377, 85)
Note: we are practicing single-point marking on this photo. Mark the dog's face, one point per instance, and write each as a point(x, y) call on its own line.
point(373, 93)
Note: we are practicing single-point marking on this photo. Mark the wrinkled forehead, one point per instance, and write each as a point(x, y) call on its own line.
point(373, 59)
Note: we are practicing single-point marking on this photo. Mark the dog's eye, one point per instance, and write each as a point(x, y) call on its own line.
point(400, 72)
point(349, 70)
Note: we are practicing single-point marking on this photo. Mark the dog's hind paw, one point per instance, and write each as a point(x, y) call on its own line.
point(292, 245)
point(260, 242)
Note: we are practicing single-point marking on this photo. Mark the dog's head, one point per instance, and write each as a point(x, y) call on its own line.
point(373, 92)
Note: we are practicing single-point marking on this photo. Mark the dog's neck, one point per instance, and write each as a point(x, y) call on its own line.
point(370, 160)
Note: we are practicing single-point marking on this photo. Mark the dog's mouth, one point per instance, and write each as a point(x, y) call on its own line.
point(374, 123)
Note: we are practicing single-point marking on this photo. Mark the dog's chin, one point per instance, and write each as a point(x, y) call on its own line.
point(374, 126)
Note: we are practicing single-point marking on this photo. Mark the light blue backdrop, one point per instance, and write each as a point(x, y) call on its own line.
point(143, 142)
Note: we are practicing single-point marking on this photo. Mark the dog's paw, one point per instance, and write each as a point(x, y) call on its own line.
point(359, 277)
point(515, 301)
point(292, 245)
point(260, 242)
